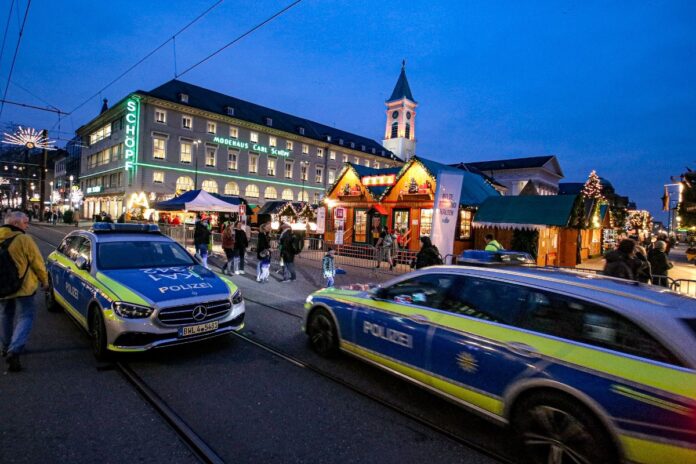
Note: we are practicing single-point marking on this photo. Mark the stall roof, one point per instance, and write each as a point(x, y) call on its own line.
point(475, 188)
point(532, 212)
point(196, 200)
point(274, 207)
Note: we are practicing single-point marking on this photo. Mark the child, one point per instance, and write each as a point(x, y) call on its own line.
point(328, 268)
point(265, 264)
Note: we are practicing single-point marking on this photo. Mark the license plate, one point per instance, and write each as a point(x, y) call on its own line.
point(198, 329)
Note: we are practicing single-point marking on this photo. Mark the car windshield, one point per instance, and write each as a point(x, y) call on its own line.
point(141, 254)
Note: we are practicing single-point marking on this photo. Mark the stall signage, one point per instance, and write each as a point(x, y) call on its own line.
point(255, 147)
point(321, 220)
point(95, 189)
point(132, 131)
point(449, 190)
point(339, 213)
point(373, 181)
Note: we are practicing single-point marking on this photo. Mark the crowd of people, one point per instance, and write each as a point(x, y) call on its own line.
point(631, 261)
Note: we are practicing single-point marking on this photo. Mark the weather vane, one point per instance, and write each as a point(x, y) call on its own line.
point(29, 138)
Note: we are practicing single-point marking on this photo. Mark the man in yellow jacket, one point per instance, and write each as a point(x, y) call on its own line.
point(20, 305)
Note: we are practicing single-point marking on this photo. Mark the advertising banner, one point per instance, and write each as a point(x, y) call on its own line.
point(321, 220)
point(445, 211)
point(340, 228)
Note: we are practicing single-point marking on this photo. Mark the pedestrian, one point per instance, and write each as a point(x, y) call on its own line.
point(660, 263)
point(201, 238)
point(241, 242)
point(384, 248)
point(228, 248)
point(263, 253)
point(428, 255)
point(643, 268)
point(288, 251)
point(22, 269)
point(54, 217)
point(492, 244)
point(328, 267)
point(621, 263)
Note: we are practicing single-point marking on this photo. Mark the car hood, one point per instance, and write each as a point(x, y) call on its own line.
point(160, 284)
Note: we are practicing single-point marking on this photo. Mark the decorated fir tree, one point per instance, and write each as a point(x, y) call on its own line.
point(593, 187)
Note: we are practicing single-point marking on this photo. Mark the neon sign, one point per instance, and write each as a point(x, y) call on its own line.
point(373, 181)
point(255, 147)
point(132, 131)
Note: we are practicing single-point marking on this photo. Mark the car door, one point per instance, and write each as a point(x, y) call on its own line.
point(79, 278)
point(475, 352)
point(397, 324)
point(61, 265)
point(71, 288)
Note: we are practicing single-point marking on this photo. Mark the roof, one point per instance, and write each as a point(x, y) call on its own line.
point(216, 102)
point(274, 207)
point(529, 212)
point(513, 163)
point(375, 190)
point(402, 89)
point(570, 188)
point(475, 188)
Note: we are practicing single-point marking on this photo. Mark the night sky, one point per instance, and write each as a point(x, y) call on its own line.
point(601, 85)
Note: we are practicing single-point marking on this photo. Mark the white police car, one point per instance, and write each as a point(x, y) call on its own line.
point(135, 289)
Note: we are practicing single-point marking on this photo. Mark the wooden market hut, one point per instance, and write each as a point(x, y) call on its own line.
point(401, 199)
point(547, 226)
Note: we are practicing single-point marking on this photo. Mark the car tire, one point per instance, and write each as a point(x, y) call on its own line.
point(50, 298)
point(551, 427)
point(322, 333)
point(98, 335)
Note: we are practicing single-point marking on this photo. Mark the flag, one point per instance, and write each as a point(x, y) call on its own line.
point(665, 200)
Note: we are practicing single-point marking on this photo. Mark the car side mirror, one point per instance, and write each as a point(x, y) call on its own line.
point(378, 293)
point(82, 264)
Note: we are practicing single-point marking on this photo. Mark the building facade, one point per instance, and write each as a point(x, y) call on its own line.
point(538, 174)
point(400, 128)
point(178, 137)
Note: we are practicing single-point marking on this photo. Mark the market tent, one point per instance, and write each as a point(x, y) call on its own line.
point(526, 212)
point(196, 200)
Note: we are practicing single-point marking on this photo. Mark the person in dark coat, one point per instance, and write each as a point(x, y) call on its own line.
point(240, 245)
point(201, 238)
point(287, 252)
point(428, 255)
point(643, 271)
point(263, 253)
point(660, 263)
point(622, 263)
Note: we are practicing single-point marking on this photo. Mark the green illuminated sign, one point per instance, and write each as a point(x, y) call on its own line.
point(234, 143)
point(132, 139)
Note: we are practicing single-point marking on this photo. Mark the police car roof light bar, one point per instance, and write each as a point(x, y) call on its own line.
point(107, 227)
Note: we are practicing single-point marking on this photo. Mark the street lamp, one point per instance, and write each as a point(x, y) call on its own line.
point(50, 197)
point(303, 175)
point(195, 180)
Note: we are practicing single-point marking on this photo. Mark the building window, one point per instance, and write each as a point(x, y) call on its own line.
point(234, 132)
point(303, 171)
point(317, 198)
point(408, 131)
point(376, 165)
point(232, 156)
point(187, 122)
point(157, 177)
point(102, 133)
point(362, 147)
point(251, 191)
point(269, 122)
point(185, 149)
point(210, 151)
point(320, 152)
point(270, 193)
point(288, 169)
point(289, 145)
point(287, 195)
point(184, 184)
point(271, 166)
point(254, 137)
point(357, 160)
point(345, 158)
point(332, 155)
point(183, 98)
point(394, 130)
point(360, 225)
point(210, 186)
point(426, 222)
point(319, 175)
point(253, 163)
point(211, 127)
point(340, 141)
point(300, 130)
point(229, 110)
point(272, 141)
point(352, 144)
point(159, 148)
point(303, 196)
point(367, 163)
point(465, 216)
point(231, 188)
point(305, 149)
point(160, 116)
point(332, 175)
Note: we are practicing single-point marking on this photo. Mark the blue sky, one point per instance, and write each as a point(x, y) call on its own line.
point(602, 85)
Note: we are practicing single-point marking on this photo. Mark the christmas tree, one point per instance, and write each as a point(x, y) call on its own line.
point(593, 187)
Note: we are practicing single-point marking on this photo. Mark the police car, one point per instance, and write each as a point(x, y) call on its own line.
point(584, 368)
point(134, 289)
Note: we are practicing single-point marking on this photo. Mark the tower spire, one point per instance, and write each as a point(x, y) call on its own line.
point(400, 130)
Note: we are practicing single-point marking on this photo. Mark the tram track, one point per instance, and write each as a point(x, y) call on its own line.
point(206, 454)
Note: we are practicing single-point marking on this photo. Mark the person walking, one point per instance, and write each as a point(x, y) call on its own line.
point(241, 242)
point(201, 238)
point(287, 253)
point(428, 255)
point(492, 244)
point(643, 268)
point(328, 268)
point(263, 253)
point(22, 269)
point(621, 263)
point(660, 264)
point(384, 246)
point(228, 247)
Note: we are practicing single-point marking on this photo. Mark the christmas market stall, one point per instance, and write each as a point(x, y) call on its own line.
point(546, 226)
point(182, 209)
point(277, 212)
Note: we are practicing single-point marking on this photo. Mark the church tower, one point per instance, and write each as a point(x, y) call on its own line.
point(400, 130)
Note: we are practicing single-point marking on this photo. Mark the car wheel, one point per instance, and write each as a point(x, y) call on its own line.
point(50, 297)
point(553, 429)
point(98, 335)
point(323, 336)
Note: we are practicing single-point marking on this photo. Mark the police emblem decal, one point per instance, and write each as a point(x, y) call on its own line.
point(467, 362)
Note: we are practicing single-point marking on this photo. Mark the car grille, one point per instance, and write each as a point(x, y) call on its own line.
point(183, 315)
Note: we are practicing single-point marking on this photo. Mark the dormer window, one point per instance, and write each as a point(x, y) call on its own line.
point(352, 144)
point(340, 141)
point(229, 110)
point(183, 98)
point(374, 151)
point(269, 122)
point(362, 147)
point(328, 138)
point(300, 130)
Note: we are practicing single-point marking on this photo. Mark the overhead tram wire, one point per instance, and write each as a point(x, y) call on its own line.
point(258, 26)
point(146, 57)
point(7, 28)
point(14, 57)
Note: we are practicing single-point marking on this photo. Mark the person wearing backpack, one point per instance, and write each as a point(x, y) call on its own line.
point(288, 248)
point(22, 269)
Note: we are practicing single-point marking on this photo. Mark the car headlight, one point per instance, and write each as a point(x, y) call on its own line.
point(237, 298)
point(131, 311)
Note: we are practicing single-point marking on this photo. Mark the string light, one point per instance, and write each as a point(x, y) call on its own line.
point(28, 137)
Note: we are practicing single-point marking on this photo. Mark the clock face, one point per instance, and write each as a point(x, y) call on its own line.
point(395, 114)
point(408, 115)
